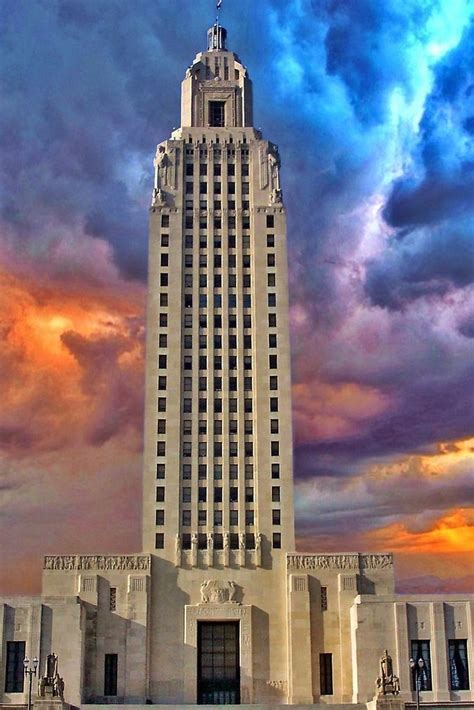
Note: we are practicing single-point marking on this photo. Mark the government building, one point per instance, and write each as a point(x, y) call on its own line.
point(218, 608)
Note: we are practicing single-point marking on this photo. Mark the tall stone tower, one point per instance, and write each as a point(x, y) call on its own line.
point(218, 439)
point(218, 479)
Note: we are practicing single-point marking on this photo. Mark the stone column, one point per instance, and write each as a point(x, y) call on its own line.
point(439, 661)
point(299, 641)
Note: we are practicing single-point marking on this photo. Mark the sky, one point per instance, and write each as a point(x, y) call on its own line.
point(372, 107)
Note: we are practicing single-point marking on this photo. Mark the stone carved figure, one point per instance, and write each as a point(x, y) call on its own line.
point(177, 549)
point(52, 685)
point(226, 541)
point(258, 542)
point(210, 541)
point(194, 541)
point(216, 591)
point(241, 541)
point(387, 682)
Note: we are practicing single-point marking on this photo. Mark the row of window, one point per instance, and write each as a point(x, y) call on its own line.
point(218, 425)
point(165, 219)
point(237, 541)
point(217, 239)
point(246, 264)
point(186, 494)
point(233, 517)
point(217, 169)
point(218, 409)
point(217, 471)
point(217, 449)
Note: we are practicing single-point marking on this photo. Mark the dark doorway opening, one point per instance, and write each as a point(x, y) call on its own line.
point(218, 663)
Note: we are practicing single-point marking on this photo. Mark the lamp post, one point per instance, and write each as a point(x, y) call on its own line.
point(418, 667)
point(30, 671)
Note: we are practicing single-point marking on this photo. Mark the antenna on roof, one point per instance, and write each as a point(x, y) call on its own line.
point(218, 7)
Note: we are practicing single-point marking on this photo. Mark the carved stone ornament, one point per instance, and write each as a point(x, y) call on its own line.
point(97, 562)
point(322, 561)
point(216, 591)
point(277, 684)
point(339, 561)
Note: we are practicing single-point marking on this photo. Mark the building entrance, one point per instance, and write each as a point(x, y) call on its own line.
point(218, 663)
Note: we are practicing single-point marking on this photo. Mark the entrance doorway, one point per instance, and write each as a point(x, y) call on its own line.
point(218, 663)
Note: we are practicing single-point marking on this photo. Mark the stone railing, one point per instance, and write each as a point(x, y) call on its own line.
point(97, 562)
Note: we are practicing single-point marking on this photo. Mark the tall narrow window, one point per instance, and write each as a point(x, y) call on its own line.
point(421, 650)
point(458, 667)
point(110, 674)
point(217, 113)
point(113, 598)
point(325, 673)
point(14, 670)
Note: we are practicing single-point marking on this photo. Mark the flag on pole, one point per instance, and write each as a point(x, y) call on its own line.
point(218, 4)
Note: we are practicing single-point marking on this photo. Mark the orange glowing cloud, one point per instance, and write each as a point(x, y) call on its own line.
point(330, 411)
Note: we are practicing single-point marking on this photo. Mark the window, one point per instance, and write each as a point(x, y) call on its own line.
point(217, 113)
point(273, 382)
point(218, 471)
point(232, 362)
point(110, 671)
point(247, 300)
point(246, 261)
point(160, 494)
point(188, 280)
point(203, 362)
point(187, 405)
point(189, 169)
point(159, 518)
point(113, 599)
point(421, 649)
point(230, 169)
point(270, 220)
point(247, 406)
point(324, 598)
point(232, 298)
point(186, 496)
point(164, 300)
point(247, 342)
point(162, 404)
point(270, 259)
point(272, 320)
point(325, 673)
point(276, 494)
point(188, 241)
point(276, 517)
point(217, 168)
point(249, 517)
point(233, 471)
point(217, 495)
point(217, 520)
point(203, 187)
point(189, 188)
point(245, 169)
point(249, 494)
point(162, 362)
point(274, 404)
point(272, 300)
point(274, 426)
point(202, 169)
point(247, 383)
point(275, 448)
point(164, 260)
point(188, 362)
point(458, 666)
point(232, 405)
point(233, 448)
point(187, 468)
point(187, 449)
point(186, 518)
point(202, 494)
point(272, 341)
point(245, 222)
point(14, 676)
point(234, 517)
point(218, 449)
point(203, 405)
point(246, 281)
point(160, 470)
point(165, 220)
point(163, 320)
point(233, 494)
point(163, 340)
point(248, 471)
point(202, 517)
point(271, 280)
point(276, 541)
point(162, 382)
point(161, 426)
point(188, 300)
point(161, 448)
point(188, 222)
point(248, 448)
point(217, 405)
point(275, 470)
point(202, 384)
point(232, 380)
point(159, 541)
point(248, 426)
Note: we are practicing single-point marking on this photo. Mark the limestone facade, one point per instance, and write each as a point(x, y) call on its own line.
point(218, 523)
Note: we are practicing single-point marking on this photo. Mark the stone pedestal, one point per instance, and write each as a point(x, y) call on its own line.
point(386, 702)
point(50, 703)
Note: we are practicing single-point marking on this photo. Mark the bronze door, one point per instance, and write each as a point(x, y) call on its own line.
point(218, 663)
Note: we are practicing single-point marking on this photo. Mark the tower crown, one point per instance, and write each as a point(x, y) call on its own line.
point(216, 37)
point(216, 91)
